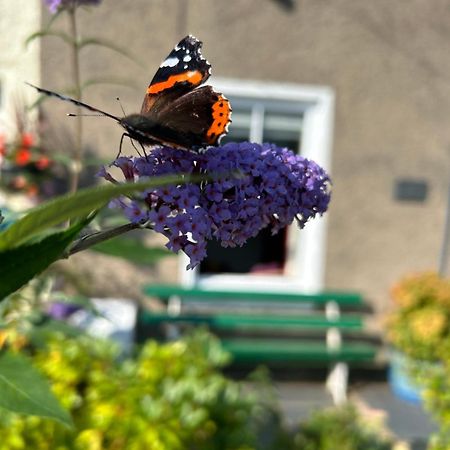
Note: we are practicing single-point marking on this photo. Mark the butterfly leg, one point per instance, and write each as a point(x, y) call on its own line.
point(143, 149)
point(120, 145)
point(134, 146)
point(132, 143)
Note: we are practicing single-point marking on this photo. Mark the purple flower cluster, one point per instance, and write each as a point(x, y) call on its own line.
point(251, 186)
point(55, 5)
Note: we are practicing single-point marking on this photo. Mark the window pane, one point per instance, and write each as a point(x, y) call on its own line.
point(239, 128)
point(263, 253)
point(283, 129)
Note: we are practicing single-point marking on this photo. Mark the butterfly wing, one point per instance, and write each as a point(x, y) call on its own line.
point(200, 117)
point(182, 71)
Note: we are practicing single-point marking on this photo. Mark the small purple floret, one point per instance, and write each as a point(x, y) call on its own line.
point(61, 311)
point(251, 187)
point(55, 5)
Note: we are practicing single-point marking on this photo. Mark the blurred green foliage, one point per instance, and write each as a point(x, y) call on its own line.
point(420, 328)
point(169, 396)
point(341, 428)
point(435, 381)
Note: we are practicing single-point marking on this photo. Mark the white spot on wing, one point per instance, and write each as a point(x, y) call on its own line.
point(187, 58)
point(170, 62)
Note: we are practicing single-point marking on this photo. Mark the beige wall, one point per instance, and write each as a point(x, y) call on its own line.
point(18, 20)
point(388, 63)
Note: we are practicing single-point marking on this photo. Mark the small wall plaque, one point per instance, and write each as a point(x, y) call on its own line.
point(410, 190)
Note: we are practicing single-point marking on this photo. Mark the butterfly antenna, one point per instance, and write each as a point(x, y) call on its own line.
point(85, 115)
point(121, 107)
point(75, 102)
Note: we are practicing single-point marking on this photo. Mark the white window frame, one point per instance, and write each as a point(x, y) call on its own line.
point(305, 268)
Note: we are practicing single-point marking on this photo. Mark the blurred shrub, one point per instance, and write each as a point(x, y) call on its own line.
point(341, 428)
point(420, 328)
point(435, 382)
point(170, 396)
point(420, 325)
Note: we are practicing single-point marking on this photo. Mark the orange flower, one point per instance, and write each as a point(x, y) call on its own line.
point(23, 156)
point(32, 190)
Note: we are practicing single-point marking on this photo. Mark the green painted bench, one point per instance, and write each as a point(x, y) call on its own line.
point(323, 329)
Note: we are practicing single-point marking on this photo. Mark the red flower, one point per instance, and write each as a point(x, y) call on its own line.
point(27, 140)
point(23, 156)
point(2, 145)
point(43, 162)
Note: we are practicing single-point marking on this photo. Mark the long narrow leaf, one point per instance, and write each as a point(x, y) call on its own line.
point(24, 390)
point(42, 33)
point(71, 206)
point(111, 45)
point(109, 80)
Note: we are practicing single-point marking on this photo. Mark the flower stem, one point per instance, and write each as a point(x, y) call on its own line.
point(76, 165)
point(95, 238)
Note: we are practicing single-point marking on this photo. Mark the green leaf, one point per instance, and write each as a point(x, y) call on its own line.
point(109, 80)
point(19, 265)
point(72, 206)
point(24, 390)
point(39, 334)
point(132, 250)
point(42, 33)
point(108, 44)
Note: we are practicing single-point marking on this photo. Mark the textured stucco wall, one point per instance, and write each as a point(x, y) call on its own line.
point(388, 63)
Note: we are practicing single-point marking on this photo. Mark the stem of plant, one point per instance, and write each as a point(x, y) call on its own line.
point(76, 165)
point(92, 239)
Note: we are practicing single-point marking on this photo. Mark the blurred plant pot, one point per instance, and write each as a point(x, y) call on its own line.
point(401, 379)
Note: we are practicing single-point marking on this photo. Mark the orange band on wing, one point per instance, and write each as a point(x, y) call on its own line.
point(193, 76)
point(221, 112)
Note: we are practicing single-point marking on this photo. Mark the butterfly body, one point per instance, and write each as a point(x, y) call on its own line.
point(148, 132)
point(176, 110)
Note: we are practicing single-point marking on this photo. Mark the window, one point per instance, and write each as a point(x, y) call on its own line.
point(296, 117)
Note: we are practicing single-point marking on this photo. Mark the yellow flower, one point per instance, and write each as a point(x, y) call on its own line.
point(421, 289)
point(428, 324)
point(90, 439)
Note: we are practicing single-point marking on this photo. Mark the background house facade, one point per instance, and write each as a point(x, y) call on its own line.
point(361, 87)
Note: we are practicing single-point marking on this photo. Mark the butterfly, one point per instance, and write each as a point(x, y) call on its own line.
point(177, 111)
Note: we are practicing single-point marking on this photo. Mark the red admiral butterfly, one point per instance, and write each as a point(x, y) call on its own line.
point(175, 110)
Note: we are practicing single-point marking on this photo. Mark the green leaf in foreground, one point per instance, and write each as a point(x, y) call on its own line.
point(24, 390)
point(132, 250)
point(19, 265)
point(72, 206)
